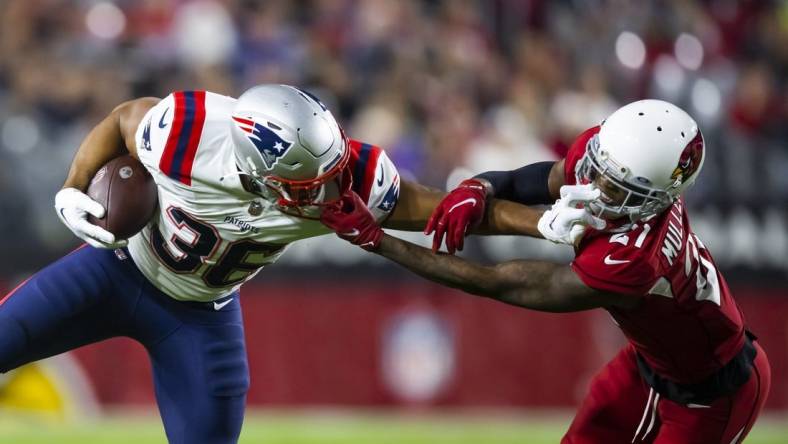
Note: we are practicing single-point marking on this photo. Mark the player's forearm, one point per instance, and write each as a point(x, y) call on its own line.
point(112, 137)
point(102, 144)
point(516, 283)
point(505, 217)
point(414, 207)
point(445, 269)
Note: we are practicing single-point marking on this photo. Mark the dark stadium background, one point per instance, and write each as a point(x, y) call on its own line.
point(449, 89)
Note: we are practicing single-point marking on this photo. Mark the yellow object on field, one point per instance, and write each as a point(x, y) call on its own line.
point(30, 389)
point(50, 390)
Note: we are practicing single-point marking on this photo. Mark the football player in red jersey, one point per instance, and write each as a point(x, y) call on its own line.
point(691, 372)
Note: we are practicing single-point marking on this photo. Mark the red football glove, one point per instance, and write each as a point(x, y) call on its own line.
point(351, 220)
point(458, 212)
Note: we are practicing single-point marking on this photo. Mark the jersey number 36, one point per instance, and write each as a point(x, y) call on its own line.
point(238, 260)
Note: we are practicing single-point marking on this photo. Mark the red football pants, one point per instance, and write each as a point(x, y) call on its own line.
point(621, 408)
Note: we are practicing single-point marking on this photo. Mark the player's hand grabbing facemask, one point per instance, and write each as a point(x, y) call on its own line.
point(73, 207)
point(565, 223)
point(351, 220)
point(458, 212)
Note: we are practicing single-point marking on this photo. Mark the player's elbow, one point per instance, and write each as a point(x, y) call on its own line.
point(136, 105)
point(525, 284)
point(128, 115)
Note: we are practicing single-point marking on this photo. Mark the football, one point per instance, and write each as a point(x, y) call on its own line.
point(128, 193)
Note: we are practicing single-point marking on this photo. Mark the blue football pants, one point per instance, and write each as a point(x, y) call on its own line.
point(198, 354)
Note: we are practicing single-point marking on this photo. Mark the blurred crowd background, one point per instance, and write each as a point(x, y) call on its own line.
point(448, 88)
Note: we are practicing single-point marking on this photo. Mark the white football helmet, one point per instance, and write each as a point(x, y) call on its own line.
point(651, 150)
point(287, 142)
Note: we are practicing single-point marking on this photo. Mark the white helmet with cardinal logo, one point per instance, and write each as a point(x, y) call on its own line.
point(651, 150)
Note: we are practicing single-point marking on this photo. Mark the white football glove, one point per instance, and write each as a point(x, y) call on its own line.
point(564, 223)
point(73, 207)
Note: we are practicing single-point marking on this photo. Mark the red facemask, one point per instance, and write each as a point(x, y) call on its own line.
point(323, 190)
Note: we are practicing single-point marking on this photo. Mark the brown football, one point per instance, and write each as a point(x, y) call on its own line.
point(128, 193)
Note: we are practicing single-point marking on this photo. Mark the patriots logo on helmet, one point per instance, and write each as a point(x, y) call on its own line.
point(690, 158)
point(391, 196)
point(268, 143)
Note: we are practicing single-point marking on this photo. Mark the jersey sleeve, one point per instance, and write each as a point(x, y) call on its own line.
point(575, 153)
point(169, 134)
point(375, 178)
point(606, 263)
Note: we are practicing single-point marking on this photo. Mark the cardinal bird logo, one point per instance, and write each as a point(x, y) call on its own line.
point(690, 159)
point(268, 143)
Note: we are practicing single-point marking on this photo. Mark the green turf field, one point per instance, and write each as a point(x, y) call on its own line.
point(337, 428)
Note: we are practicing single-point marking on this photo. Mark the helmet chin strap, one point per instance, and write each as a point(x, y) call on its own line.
point(252, 167)
point(272, 195)
point(284, 203)
point(252, 184)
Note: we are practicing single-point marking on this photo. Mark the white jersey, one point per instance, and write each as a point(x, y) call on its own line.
point(210, 235)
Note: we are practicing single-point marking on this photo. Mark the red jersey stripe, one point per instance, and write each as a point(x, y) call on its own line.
point(165, 164)
point(194, 138)
point(369, 173)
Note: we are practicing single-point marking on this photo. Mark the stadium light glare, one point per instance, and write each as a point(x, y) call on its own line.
point(20, 134)
point(669, 76)
point(630, 50)
point(105, 21)
point(689, 51)
point(706, 99)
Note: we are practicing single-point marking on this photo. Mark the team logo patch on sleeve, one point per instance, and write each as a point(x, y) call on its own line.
point(268, 143)
point(146, 137)
point(391, 196)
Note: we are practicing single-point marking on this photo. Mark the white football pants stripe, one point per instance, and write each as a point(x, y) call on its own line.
point(735, 439)
point(653, 410)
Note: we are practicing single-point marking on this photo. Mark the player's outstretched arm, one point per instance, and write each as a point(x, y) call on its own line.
point(414, 206)
point(536, 285)
point(111, 138)
point(509, 193)
point(495, 202)
point(417, 202)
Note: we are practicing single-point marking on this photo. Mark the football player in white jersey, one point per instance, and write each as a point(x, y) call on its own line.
point(238, 180)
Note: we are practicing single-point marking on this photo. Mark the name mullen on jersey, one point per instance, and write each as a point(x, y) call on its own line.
point(206, 241)
point(674, 237)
